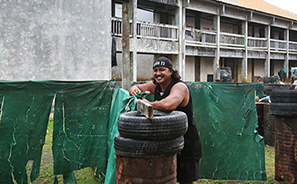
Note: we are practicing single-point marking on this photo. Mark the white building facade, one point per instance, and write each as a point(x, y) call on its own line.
point(201, 36)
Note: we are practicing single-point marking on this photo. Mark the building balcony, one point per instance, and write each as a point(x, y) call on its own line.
point(152, 38)
point(153, 35)
point(147, 30)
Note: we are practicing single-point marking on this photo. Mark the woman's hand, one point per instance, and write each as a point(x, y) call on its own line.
point(133, 90)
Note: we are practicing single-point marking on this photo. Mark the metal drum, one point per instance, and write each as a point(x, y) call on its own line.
point(286, 149)
point(146, 170)
point(284, 107)
point(269, 126)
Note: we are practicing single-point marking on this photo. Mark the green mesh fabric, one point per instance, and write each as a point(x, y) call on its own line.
point(24, 115)
point(81, 126)
point(119, 100)
point(85, 123)
point(226, 118)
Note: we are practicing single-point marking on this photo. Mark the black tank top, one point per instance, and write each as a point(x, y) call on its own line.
point(192, 140)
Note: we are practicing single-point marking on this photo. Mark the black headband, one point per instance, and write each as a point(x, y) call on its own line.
point(163, 62)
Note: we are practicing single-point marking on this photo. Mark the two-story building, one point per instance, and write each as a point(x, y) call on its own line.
point(253, 38)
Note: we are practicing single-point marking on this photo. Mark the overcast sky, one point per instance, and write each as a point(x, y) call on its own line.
point(289, 5)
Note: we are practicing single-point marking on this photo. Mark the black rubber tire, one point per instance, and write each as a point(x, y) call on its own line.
point(162, 126)
point(283, 109)
point(283, 96)
point(131, 147)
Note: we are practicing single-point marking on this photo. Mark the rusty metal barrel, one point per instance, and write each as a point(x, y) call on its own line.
point(146, 148)
point(284, 107)
point(146, 169)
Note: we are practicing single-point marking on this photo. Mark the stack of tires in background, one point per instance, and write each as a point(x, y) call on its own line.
point(284, 107)
point(146, 148)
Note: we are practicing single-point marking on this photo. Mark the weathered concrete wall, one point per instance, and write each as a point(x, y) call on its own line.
point(277, 66)
point(259, 67)
point(144, 67)
point(190, 69)
point(206, 67)
point(55, 40)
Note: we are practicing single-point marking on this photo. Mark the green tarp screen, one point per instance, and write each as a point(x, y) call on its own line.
point(85, 122)
point(81, 126)
point(226, 117)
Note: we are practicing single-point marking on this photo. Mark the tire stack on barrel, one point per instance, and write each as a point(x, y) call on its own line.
point(284, 107)
point(146, 148)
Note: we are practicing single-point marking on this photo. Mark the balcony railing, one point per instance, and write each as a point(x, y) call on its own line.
point(152, 30)
point(293, 46)
point(257, 43)
point(278, 44)
point(116, 26)
point(200, 37)
point(147, 30)
point(233, 40)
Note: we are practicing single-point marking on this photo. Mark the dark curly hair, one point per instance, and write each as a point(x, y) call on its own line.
point(174, 76)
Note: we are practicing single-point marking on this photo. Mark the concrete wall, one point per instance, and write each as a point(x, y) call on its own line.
point(208, 25)
point(206, 67)
point(259, 67)
point(256, 31)
point(190, 21)
point(55, 39)
point(144, 67)
point(277, 66)
point(190, 69)
point(249, 71)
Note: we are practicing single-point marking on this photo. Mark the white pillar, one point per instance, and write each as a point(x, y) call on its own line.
point(134, 39)
point(286, 63)
point(216, 61)
point(267, 62)
point(181, 39)
point(245, 59)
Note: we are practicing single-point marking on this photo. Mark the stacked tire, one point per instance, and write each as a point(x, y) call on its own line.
point(283, 102)
point(149, 144)
point(284, 107)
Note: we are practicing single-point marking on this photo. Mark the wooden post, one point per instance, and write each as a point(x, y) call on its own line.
point(126, 66)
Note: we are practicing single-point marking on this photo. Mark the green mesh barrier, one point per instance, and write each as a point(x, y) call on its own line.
point(25, 109)
point(118, 102)
point(85, 123)
point(81, 126)
point(121, 102)
point(226, 117)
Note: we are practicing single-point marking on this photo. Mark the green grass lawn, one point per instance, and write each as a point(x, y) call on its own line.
point(86, 176)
